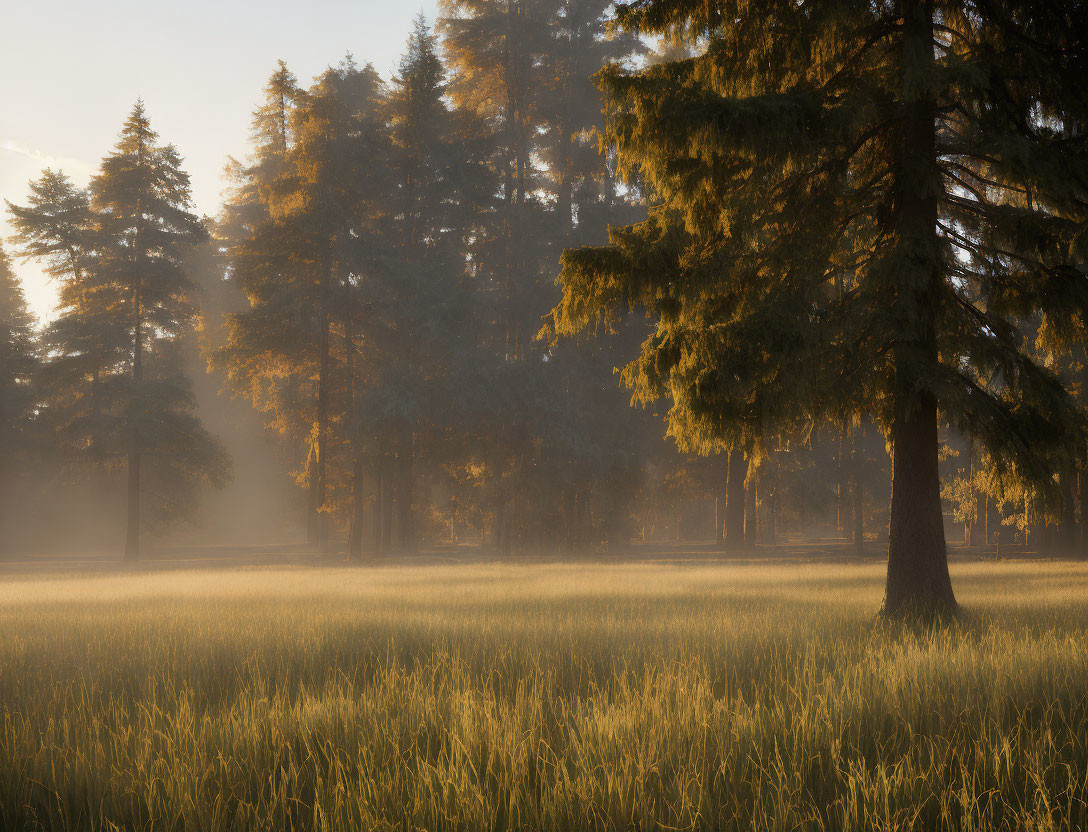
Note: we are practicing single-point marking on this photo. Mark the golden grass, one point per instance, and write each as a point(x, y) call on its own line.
point(654, 696)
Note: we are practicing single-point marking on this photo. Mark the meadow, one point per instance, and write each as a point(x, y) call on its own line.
point(687, 695)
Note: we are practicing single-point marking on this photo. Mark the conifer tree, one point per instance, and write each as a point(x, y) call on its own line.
point(272, 136)
point(57, 228)
point(569, 107)
point(930, 155)
point(18, 378)
point(417, 309)
point(295, 266)
point(142, 296)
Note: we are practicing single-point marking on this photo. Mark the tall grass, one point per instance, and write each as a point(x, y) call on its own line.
point(582, 697)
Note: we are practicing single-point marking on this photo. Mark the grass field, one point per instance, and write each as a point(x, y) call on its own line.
point(551, 697)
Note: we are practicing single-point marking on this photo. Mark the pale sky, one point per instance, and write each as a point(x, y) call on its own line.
point(70, 71)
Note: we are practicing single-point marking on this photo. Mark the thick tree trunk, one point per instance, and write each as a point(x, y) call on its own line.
point(734, 500)
point(918, 582)
point(918, 579)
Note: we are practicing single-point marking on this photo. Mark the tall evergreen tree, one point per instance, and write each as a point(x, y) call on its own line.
point(419, 313)
point(58, 228)
point(143, 229)
point(929, 154)
point(294, 267)
point(272, 136)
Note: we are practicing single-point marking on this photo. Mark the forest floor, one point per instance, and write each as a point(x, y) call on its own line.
point(657, 692)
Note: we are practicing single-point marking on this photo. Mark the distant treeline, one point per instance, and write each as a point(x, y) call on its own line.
point(381, 286)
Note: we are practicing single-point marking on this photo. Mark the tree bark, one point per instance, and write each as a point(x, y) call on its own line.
point(322, 428)
point(734, 500)
point(389, 490)
point(355, 526)
point(918, 581)
point(840, 484)
point(379, 506)
point(859, 515)
point(404, 498)
point(772, 521)
point(1082, 495)
point(976, 529)
point(132, 534)
point(717, 520)
point(751, 515)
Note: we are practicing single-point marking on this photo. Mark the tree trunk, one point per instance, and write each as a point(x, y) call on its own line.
point(312, 503)
point(976, 531)
point(734, 500)
point(717, 520)
point(388, 491)
point(378, 528)
point(986, 521)
point(859, 515)
point(1082, 495)
point(355, 524)
point(322, 430)
point(918, 581)
point(132, 535)
point(751, 516)
point(772, 521)
point(404, 499)
point(355, 528)
point(840, 484)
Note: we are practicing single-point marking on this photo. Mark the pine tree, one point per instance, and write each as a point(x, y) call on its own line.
point(418, 308)
point(928, 157)
point(140, 198)
point(579, 45)
point(18, 378)
point(57, 228)
point(296, 268)
point(272, 136)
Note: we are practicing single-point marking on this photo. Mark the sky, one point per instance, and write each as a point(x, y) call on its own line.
point(70, 71)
